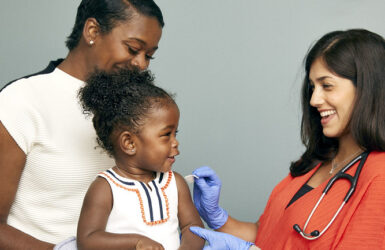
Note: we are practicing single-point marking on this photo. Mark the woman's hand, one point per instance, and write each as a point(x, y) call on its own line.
point(221, 241)
point(207, 189)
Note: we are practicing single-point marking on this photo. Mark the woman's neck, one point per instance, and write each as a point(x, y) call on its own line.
point(347, 148)
point(75, 64)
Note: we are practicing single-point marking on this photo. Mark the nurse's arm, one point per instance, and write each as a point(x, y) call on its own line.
point(244, 230)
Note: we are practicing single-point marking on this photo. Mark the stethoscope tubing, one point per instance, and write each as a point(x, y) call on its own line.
point(353, 180)
point(340, 175)
point(308, 236)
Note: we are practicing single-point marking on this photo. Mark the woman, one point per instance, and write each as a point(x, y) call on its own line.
point(43, 133)
point(343, 102)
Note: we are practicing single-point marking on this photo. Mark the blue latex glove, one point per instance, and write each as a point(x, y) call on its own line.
point(206, 197)
point(67, 244)
point(221, 241)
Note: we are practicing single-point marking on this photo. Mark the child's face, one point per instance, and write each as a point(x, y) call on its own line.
point(156, 143)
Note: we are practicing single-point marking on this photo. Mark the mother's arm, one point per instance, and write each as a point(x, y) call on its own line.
point(12, 162)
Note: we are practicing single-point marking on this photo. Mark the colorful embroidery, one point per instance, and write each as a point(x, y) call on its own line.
point(150, 223)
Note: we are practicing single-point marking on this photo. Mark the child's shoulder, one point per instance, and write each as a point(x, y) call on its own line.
point(178, 177)
point(176, 174)
point(181, 183)
point(108, 175)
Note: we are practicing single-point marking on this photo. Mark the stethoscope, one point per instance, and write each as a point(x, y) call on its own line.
point(340, 175)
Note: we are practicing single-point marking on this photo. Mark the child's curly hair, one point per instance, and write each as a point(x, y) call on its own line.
point(120, 100)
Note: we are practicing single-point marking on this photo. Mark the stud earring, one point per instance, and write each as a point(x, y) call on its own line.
point(92, 42)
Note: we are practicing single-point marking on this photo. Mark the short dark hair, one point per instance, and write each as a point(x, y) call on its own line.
point(357, 55)
point(108, 13)
point(120, 100)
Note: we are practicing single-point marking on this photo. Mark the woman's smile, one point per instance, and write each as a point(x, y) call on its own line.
point(326, 116)
point(333, 96)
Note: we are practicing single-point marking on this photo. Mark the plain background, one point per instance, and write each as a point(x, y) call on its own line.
point(235, 66)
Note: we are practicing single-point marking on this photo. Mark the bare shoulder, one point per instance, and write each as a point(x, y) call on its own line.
point(178, 176)
point(96, 208)
point(180, 181)
point(100, 183)
point(97, 202)
point(99, 191)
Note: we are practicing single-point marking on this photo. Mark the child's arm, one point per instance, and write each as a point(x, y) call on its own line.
point(188, 216)
point(96, 209)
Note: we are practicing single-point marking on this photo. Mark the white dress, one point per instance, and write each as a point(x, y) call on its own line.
point(150, 210)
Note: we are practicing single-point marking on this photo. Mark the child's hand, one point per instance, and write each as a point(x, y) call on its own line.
point(148, 244)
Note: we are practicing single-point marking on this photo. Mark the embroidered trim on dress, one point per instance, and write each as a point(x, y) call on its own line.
point(150, 223)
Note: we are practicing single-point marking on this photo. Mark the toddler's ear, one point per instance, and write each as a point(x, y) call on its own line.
point(126, 143)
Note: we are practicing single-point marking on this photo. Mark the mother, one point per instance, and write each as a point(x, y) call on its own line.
point(47, 148)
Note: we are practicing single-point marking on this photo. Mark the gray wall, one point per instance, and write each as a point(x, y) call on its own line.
point(234, 65)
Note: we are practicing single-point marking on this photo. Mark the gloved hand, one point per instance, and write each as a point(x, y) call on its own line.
point(206, 197)
point(67, 244)
point(221, 241)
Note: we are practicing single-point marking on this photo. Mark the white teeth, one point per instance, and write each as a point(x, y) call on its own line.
point(327, 113)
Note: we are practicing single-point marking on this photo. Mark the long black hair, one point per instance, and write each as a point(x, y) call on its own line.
point(108, 13)
point(357, 55)
point(120, 101)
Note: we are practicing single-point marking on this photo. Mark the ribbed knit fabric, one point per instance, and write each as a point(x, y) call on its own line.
point(360, 224)
point(43, 116)
point(147, 209)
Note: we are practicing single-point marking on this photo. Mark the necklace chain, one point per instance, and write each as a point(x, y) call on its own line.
point(335, 164)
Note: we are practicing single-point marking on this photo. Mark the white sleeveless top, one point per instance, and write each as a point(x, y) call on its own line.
point(150, 210)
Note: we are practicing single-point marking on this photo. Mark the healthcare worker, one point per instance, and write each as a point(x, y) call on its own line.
point(343, 130)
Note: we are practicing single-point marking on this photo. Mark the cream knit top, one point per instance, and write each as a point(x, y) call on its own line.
point(43, 116)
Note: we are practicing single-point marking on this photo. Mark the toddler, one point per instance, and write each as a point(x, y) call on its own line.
point(140, 202)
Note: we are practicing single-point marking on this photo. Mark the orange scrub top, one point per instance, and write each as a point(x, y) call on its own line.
point(359, 225)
